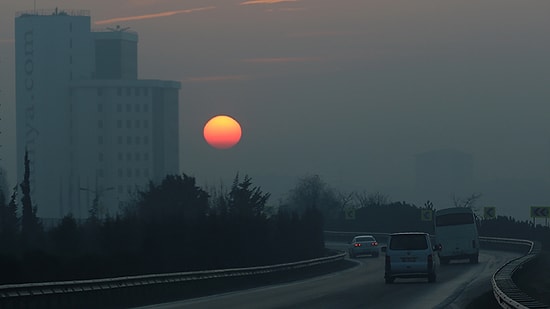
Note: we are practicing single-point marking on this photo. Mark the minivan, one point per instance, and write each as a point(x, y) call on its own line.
point(411, 255)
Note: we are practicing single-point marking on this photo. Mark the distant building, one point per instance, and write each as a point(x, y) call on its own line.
point(440, 174)
point(91, 128)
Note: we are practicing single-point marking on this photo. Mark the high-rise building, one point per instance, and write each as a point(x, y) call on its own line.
point(93, 131)
point(442, 175)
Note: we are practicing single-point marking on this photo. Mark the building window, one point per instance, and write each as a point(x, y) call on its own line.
point(119, 108)
point(146, 124)
point(145, 91)
point(128, 107)
point(137, 156)
point(100, 124)
point(119, 123)
point(138, 140)
point(146, 140)
point(71, 59)
point(137, 172)
point(100, 108)
point(145, 107)
point(119, 91)
point(128, 156)
point(137, 92)
point(138, 124)
point(137, 107)
point(128, 124)
point(99, 92)
point(99, 172)
point(70, 27)
point(129, 172)
point(129, 140)
point(120, 156)
point(71, 43)
point(100, 156)
point(146, 156)
point(128, 91)
point(120, 189)
point(146, 172)
point(100, 140)
point(120, 140)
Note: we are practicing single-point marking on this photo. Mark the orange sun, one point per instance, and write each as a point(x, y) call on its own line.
point(222, 132)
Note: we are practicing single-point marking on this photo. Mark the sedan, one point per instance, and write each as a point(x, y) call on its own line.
point(364, 245)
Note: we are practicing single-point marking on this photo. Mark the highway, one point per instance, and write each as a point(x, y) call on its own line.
point(363, 287)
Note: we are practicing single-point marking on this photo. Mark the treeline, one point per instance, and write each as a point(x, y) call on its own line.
point(169, 227)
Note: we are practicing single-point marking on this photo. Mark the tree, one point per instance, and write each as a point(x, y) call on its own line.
point(468, 202)
point(246, 200)
point(9, 223)
point(176, 198)
point(31, 227)
point(313, 192)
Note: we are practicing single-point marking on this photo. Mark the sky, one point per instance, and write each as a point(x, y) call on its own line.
point(350, 90)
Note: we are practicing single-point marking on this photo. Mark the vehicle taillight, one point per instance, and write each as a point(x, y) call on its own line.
point(357, 245)
point(430, 261)
point(374, 243)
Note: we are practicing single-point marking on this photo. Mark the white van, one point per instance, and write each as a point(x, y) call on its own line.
point(411, 255)
point(456, 231)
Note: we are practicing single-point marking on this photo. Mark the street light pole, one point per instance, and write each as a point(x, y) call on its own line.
point(95, 211)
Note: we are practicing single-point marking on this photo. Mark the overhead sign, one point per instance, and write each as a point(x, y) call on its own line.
point(349, 213)
point(540, 212)
point(489, 212)
point(426, 215)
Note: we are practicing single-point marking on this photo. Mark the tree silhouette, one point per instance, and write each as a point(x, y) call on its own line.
point(9, 223)
point(30, 224)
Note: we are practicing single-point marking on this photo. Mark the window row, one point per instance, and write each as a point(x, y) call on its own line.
point(137, 156)
point(136, 107)
point(136, 124)
point(128, 91)
point(130, 140)
point(133, 172)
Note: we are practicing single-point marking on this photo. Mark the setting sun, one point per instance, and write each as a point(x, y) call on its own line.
point(222, 132)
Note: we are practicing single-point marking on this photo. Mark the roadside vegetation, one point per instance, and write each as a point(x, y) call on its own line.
point(175, 226)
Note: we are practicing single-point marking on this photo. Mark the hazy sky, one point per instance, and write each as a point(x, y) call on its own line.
point(347, 89)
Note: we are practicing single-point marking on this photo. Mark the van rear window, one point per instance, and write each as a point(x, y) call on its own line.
point(408, 242)
point(454, 219)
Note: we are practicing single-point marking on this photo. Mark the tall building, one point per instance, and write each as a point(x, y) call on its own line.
point(442, 174)
point(93, 131)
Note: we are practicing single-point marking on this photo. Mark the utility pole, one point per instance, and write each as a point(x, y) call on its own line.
point(96, 211)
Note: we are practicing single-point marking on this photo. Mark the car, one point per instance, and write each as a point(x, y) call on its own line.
point(364, 245)
point(411, 255)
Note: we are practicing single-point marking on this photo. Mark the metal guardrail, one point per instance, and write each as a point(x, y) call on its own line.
point(504, 289)
point(507, 294)
point(10, 293)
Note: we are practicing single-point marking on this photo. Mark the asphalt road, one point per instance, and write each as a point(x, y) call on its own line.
point(363, 287)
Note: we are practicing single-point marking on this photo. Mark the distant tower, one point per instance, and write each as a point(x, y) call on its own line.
point(93, 131)
point(442, 173)
point(116, 54)
point(51, 50)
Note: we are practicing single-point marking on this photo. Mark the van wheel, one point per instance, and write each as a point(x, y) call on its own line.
point(389, 280)
point(474, 259)
point(431, 277)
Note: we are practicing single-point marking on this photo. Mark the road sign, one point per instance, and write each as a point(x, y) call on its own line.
point(489, 212)
point(540, 212)
point(349, 213)
point(426, 215)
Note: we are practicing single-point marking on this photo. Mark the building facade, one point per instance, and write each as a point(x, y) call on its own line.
point(93, 131)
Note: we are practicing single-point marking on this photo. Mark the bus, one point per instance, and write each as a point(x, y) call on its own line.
point(456, 232)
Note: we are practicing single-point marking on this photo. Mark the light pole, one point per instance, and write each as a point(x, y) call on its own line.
point(95, 210)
